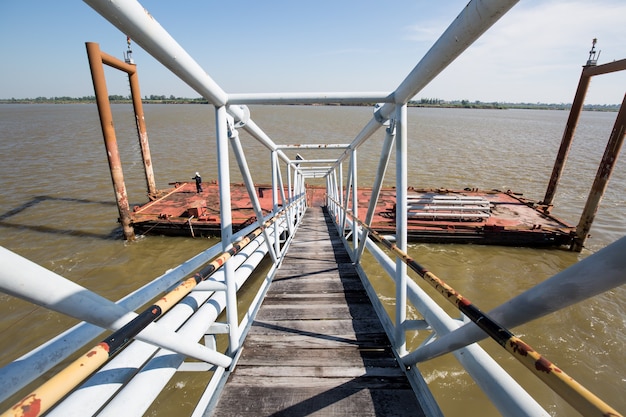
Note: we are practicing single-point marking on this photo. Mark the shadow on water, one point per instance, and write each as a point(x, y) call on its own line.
point(32, 204)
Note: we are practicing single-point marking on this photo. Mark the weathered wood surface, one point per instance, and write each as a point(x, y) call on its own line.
point(316, 347)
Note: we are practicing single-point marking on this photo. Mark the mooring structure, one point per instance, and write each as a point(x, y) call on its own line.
point(611, 152)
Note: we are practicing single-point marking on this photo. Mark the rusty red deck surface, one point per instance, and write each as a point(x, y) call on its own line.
point(436, 216)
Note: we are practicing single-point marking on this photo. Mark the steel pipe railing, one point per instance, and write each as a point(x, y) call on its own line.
point(500, 387)
point(570, 390)
point(63, 382)
point(310, 98)
point(121, 372)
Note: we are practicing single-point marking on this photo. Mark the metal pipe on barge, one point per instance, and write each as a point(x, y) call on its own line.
point(131, 18)
point(110, 140)
point(97, 59)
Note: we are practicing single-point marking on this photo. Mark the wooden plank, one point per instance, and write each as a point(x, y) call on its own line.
point(317, 312)
point(359, 382)
point(340, 357)
point(322, 327)
point(342, 400)
point(371, 341)
point(316, 346)
point(320, 372)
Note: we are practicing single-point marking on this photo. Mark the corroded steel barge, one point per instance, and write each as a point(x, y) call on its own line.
point(434, 215)
point(439, 216)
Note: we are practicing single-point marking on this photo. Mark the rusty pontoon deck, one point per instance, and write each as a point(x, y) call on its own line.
point(435, 215)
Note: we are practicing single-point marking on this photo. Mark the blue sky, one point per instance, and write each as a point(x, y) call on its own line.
point(533, 54)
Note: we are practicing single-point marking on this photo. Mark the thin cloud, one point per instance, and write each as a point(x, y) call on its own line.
point(535, 53)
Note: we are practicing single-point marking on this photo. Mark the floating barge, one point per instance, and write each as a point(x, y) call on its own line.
point(435, 215)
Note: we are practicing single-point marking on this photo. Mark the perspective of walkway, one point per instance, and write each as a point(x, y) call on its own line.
point(316, 346)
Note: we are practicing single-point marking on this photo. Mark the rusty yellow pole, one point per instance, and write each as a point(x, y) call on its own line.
point(110, 140)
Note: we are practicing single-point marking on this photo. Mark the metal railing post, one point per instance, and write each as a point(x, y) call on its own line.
point(283, 197)
point(226, 219)
point(385, 155)
point(401, 224)
point(274, 156)
point(340, 183)
point(355, 202)
point(249, 183)
point(346, 199)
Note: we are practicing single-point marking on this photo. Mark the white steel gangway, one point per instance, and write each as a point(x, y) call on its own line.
point(127, 369)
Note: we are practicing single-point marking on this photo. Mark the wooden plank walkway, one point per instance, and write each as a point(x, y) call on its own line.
point(317, 347)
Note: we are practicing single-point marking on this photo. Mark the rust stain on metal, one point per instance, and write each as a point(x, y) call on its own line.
point(520, 347)
point(513, 220)
point(544, 365)
point(30, 406)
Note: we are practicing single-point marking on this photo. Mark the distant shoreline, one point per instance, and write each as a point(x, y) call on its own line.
point(428, 103)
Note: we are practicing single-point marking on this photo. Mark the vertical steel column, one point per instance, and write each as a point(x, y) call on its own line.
point(249, 183)
point(568, 135)
point(346, 199)
point(355, 202)
point(385, 155)
point(602, 178)
point(336, 195)
point(401, 225)
point(140, 120)
point(291, 215)
point(283, 197)
point(290, 185)
point(274, 156)
point(328, 180)
point(110, 141)
point(226, 218)
point(297, 194)
point(343, 203)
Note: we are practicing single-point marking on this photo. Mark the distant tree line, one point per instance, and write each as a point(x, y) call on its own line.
point(114, 98)
point(467, 104)
point(422, 102)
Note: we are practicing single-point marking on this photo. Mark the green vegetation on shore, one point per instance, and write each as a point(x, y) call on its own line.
point(423, 102)
point(115, 99)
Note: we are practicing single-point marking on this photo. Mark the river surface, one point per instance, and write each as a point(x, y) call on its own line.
point(57, 209)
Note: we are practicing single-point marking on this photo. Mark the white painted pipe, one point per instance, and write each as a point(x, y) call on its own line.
point(594, 275)
point(19, 373)
point(470, 24)
point(310, 98)
point(504, 392)
point(145, 386)
point(96, 392)
point(26, 280)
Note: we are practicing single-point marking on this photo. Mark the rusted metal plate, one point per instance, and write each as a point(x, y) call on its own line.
point(511, 220)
